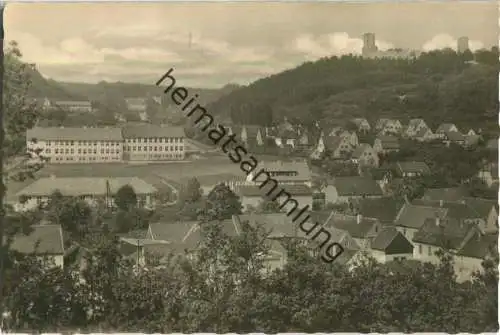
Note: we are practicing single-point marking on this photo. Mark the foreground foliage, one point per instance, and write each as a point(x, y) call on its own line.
point(226, 289)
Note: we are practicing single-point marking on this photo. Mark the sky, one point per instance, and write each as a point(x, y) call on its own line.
point(211, 44)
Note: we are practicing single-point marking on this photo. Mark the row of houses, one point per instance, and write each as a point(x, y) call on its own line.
point(466, 228)
point(140, 142)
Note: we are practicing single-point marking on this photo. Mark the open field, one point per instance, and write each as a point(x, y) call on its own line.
point(152, 173)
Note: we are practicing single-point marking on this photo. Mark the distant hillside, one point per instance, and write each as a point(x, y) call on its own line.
point(113, 93)
point(47, 88)
point(103, 91)
point(438, 86)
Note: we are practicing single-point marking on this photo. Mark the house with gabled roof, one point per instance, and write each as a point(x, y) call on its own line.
point(445, 194)
point(424, 135)
point(385, 144)
point(350, 136)
point(415, 126)
point(412, 169)
point(475, 249)
point(489, 174)
point(440, 234)
point(390, 126)
point(389, 245)
point(384, 209)
point(346, 189)
point(482, 213)
point(42, 241)
point(338, 147)
point(453, 137)
point(412, 217)
point(364, 155)
point(362, 124)
point(361, 229)
point(444, 128)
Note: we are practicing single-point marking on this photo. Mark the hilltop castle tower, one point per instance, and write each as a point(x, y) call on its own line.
point(369, 46)
point(462, 44)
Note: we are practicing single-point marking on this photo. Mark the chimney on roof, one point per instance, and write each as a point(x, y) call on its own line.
point(359, 217)
point(438, 220)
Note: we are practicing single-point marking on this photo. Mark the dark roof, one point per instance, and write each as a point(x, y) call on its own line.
point(383, 209)
point(74, 134)
point(188, 234)
point(422, 132)
point(152, 131)
point(48, 237)
point(479, 246)
point(389, 142)
point(413, 167)
point(467, 208)
point(347, 186)
point(444, 127)
point(390, 241)
point(445, 194)
point(450, 233)
point(414, 216)
point(255, 191)
point(350, 224)
point(454, 136)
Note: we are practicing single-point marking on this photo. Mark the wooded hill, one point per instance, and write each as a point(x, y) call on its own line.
point(438, 86)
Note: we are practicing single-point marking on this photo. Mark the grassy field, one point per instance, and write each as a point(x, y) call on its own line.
point(151, 173)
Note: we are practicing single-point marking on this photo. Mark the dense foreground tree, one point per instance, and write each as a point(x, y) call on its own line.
point(229, 287)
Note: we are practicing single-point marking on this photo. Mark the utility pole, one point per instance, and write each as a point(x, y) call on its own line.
point(3, 250)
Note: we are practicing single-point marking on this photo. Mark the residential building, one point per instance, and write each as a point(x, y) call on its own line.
point(89, 189)
point(361, 230)
point(390, 245)
point(208, 182)
point(385, 144)
point(364, 155)
point(445, 194)
point(436, 234)
point(42, 240)
point(383, 209)
point(345, 189)
point(77, 145)
point(251, 196)
point(481, 212)
point(70, 106)
point(412, 169)
point(412, 217)
point(475, 249)
point(362, 124)
point(414, 127)
point(471, 132)
point(390, 127)
point(338, 147)
point(284, 172)
point(453, 137)
point(489, 174)
point(445, 127)
point(351, 137)
point(136, 104)
point(149, 142)
point(424, 135)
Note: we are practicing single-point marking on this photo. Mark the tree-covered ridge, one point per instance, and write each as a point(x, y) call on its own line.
point(438, 85)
